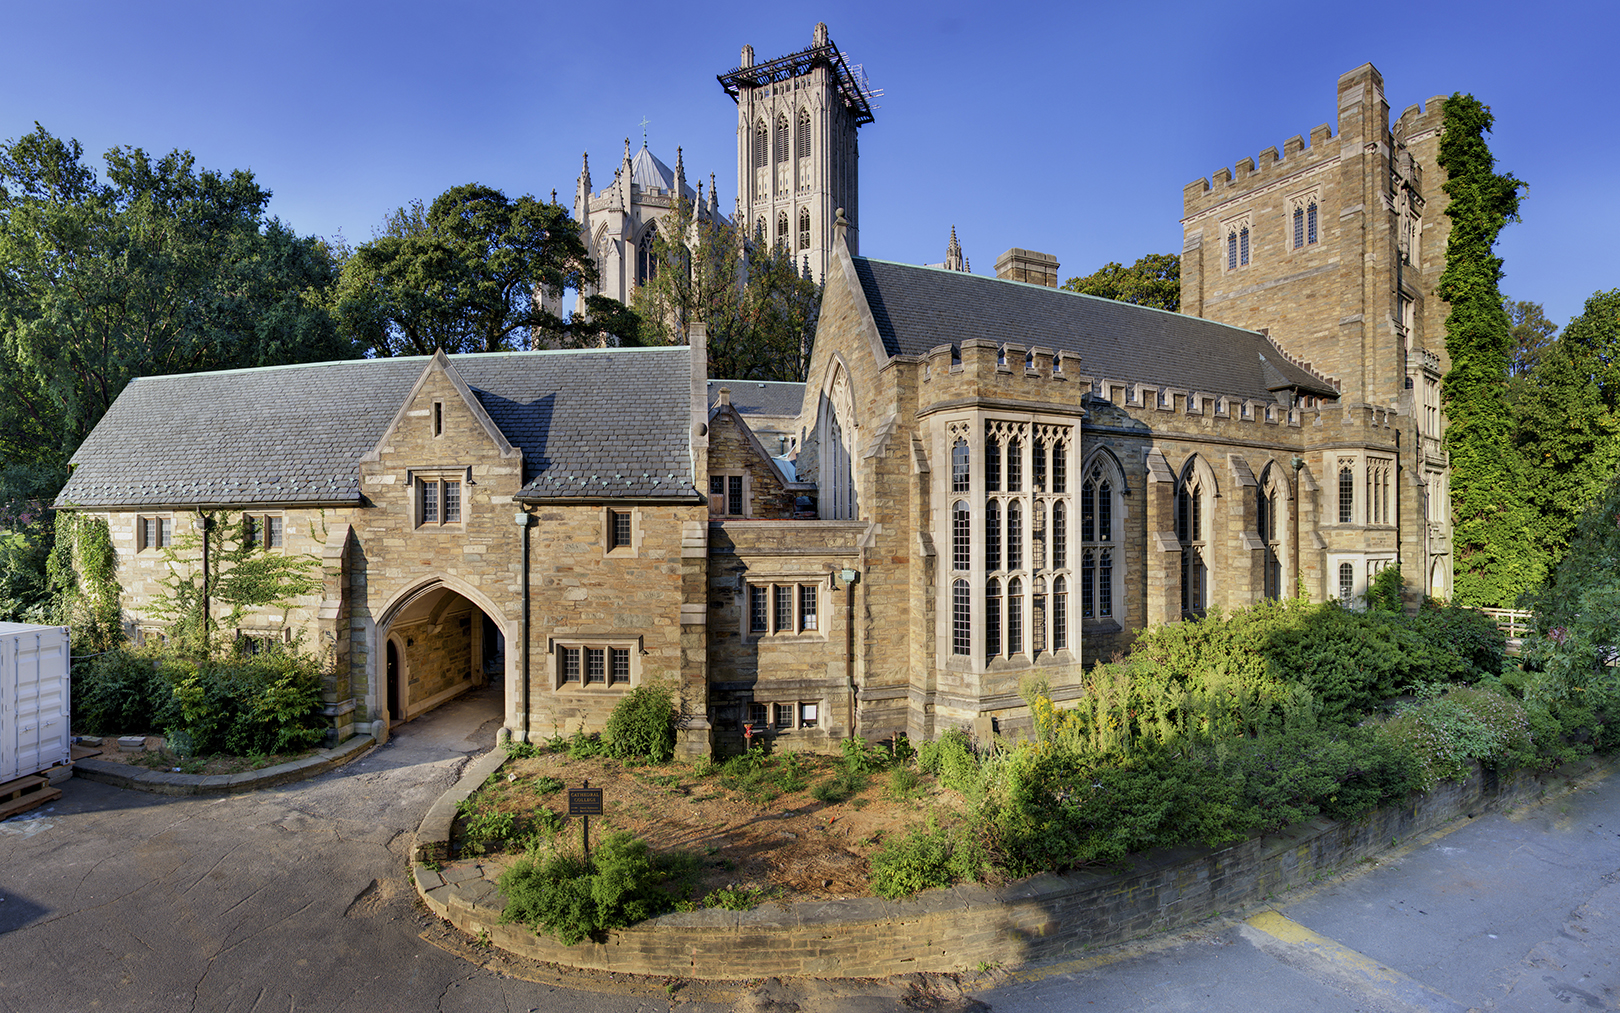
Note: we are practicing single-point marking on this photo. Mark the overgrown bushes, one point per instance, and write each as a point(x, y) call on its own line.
point(267, 703)
point(573, 899)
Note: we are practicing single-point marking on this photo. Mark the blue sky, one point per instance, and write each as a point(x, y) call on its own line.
point(1065, 128)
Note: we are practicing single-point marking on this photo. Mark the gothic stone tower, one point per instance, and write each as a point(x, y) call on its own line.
point(1335, 249)
point(797, 150)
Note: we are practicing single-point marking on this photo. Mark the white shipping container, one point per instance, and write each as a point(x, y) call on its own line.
point(35, 730)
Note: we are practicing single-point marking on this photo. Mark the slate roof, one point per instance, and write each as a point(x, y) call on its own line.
point(760, 397)
point(919, 308)
point(598, 424)
point(649, 172)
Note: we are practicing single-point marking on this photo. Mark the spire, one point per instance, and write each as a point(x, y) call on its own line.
point(680, 175)
point(585, 171)
point(714, 196)
point(953, 253)
point(698, 206)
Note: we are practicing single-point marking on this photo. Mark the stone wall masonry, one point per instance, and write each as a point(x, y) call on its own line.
point(1044, 918)
point(732, 448)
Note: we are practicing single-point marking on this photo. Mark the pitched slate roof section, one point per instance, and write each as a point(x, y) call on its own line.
point(919, 308)
point(756, 397)
point(603, 424)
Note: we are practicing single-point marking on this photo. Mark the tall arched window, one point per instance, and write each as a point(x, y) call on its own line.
point(1347, 583)
point(804, 133)
point(992, 536)
point(646, 258)
point(1299, 228)
point(1037, 616)
point(1100, 538)
point(781, 137)
point(992, 618)
point(1243, 245)
point(781, 228)
point(1060, 613)
point(1192, 529)
point(835, 431)
point(1310, 222)
point(1272, 507)
point(1015, 616)
point(804, 228)
point(961, 618)
point(762, 146)
point(961, 537)
point(1015, 535)
point(961, 466)
point(1347, 493)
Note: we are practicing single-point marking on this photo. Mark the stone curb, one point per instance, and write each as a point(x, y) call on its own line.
point(1032, 921)
point(432, 842)
point(163, 782)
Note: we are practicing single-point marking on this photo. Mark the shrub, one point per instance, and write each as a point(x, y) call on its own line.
point(130, 689)
point(860, 758)
point(268, 703)
point(643, 725)
point(927, 857)
point(950, 758)
point(571, 899)
point(1293, 776)
point(1446, 732)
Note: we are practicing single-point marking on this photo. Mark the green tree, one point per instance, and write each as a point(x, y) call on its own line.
point(161, 267)
point(463, 275)
point(1532, 333)
point(1492, 520)
point(759, 307)
point(1567, 409)
point(1154, 280)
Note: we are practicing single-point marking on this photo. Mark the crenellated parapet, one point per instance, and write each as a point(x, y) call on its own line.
point(1250, 174)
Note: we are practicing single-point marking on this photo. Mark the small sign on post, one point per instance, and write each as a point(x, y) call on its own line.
point(585, 802)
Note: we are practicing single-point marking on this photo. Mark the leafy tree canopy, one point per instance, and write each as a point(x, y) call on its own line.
point(464, 274)
point(155, 267)
point(1532, 333)
point(760, 309)
point(1154, 280)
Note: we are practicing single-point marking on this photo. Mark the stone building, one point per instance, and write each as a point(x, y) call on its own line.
point(984, 480)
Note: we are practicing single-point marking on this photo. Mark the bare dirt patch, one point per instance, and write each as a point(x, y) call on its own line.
point(762, 829)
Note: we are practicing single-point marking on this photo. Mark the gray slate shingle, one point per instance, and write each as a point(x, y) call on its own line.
point(920, 308)
point(760, 397)
point(602, 424)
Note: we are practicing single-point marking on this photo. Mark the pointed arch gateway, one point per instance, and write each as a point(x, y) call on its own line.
point(435, 640)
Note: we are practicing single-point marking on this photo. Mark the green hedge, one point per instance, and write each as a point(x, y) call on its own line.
point(268, 703)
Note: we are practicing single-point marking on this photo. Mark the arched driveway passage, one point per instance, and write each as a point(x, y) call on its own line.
point(437, 642)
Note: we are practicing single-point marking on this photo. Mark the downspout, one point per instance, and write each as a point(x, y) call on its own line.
point(522, 519)
point(205, 519)
point(849, 651)
point(1399, 467)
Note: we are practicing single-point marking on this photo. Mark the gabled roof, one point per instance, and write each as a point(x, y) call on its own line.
point(594, 424)
point(760, 397)
point(917, 309)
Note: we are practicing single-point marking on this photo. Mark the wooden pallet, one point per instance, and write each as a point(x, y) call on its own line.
point(25, 793)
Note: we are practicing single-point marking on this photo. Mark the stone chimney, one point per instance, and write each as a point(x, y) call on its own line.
point(1028, 266)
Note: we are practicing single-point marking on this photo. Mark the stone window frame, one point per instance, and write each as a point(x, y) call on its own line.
point(746, 492)
point(559, 647)
point(794, 711)
point(415, 481)
point(1301, 204)
point(163, 532)
point(611, 549)
point(1237, 242)
point(963, 597)
point(436, 419)
point(1196, 493)
point(1100, 468)
point(768, 587)
point(266, 526)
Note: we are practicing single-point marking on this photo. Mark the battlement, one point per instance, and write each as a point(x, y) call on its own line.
point(1225, 183)
point(1046, 379)
point(1418, 119)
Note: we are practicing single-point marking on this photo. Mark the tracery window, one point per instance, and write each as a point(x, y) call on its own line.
point(781, 138)
point(1237, 242)
point(804, 228)
point(1270, 499)
point(646, 258)
point(781, 228)
point(762, 146)
point(1347, 582)
point(1304, 213)
point(1026, 538)
point(1378, 473)
point(1100, 539)
point(1193, 497)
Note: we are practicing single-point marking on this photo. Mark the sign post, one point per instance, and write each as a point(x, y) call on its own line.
point(585, 802)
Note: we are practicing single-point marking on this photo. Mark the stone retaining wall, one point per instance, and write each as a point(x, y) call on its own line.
point(1034, 920)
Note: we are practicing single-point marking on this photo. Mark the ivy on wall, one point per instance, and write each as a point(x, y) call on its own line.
point(82, 575)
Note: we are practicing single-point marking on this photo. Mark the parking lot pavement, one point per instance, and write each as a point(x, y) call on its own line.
point(1516, 911)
